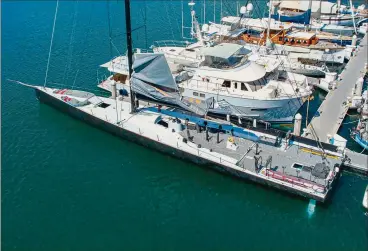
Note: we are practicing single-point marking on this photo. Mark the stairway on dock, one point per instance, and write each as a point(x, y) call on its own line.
point(332, 111)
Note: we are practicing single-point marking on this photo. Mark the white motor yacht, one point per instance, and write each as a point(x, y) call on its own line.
point(236, 85)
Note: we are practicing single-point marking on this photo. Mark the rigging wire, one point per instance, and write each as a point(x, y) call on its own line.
point(109, 26)
point(362, 151)
point(111, 45)
point(172, 7)
point(85, 45)
point(145, 24)
point(52, 39)
point(71, 41)
point(169, 19)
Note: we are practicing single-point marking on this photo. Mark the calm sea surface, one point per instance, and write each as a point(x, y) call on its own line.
point(69, 186)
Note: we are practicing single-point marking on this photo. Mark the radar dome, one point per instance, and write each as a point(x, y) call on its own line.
point(249, 6)
point(243, 10)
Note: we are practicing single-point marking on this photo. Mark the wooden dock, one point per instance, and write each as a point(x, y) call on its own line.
point(332, 111)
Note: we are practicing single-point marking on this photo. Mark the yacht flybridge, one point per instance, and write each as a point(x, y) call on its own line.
point(242, 87)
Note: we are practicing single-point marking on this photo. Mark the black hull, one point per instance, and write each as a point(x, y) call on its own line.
point(158, 146)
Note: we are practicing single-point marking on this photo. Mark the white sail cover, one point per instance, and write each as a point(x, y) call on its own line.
point(153, 68)
point(152, 79)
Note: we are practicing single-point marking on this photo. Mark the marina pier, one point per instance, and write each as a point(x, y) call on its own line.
point(330, 115)
point(333, 110)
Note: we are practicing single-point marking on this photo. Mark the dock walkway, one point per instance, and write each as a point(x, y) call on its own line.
point(358, 162)
point(332, 111)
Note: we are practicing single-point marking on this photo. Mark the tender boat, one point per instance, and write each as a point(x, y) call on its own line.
point(360, 134)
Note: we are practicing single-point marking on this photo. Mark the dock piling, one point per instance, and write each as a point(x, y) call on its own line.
point(297, 124)
point(113, 90)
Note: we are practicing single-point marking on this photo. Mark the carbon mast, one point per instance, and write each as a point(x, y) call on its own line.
point(130, 51)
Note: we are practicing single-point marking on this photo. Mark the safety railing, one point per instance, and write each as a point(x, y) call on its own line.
point(170, 43)
point(296, 181)
point(204, 86)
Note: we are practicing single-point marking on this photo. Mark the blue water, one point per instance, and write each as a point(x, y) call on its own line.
point(68, 186)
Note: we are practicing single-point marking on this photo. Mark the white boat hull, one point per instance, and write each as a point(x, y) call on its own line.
point(273, 110)
point(306, 72)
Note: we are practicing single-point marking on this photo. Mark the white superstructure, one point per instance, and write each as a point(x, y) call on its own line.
point(237, 85)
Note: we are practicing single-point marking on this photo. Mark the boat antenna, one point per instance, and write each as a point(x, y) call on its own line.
point(130, 50)
point(319, 12)
point(220, 10)
point(214, 11)
point(352, 15)
point(204, 11)
point(338, 6)
point(182, 18)
point(309, 16)
point(52, 39)
point(268, 40)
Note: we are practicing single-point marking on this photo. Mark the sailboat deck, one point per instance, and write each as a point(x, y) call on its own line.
point(282, 161)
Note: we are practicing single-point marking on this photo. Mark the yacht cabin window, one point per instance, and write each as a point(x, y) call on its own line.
point(226, 84)
point(202, 95)
point(243, 87)
point(195, 93)
point(257, 85)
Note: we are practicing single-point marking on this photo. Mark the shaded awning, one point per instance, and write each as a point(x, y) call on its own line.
point(224, 50)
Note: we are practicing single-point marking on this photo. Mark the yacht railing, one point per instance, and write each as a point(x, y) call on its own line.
point(224, 66)
point(198, 85)
point(140, 50)
point(170, 43)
